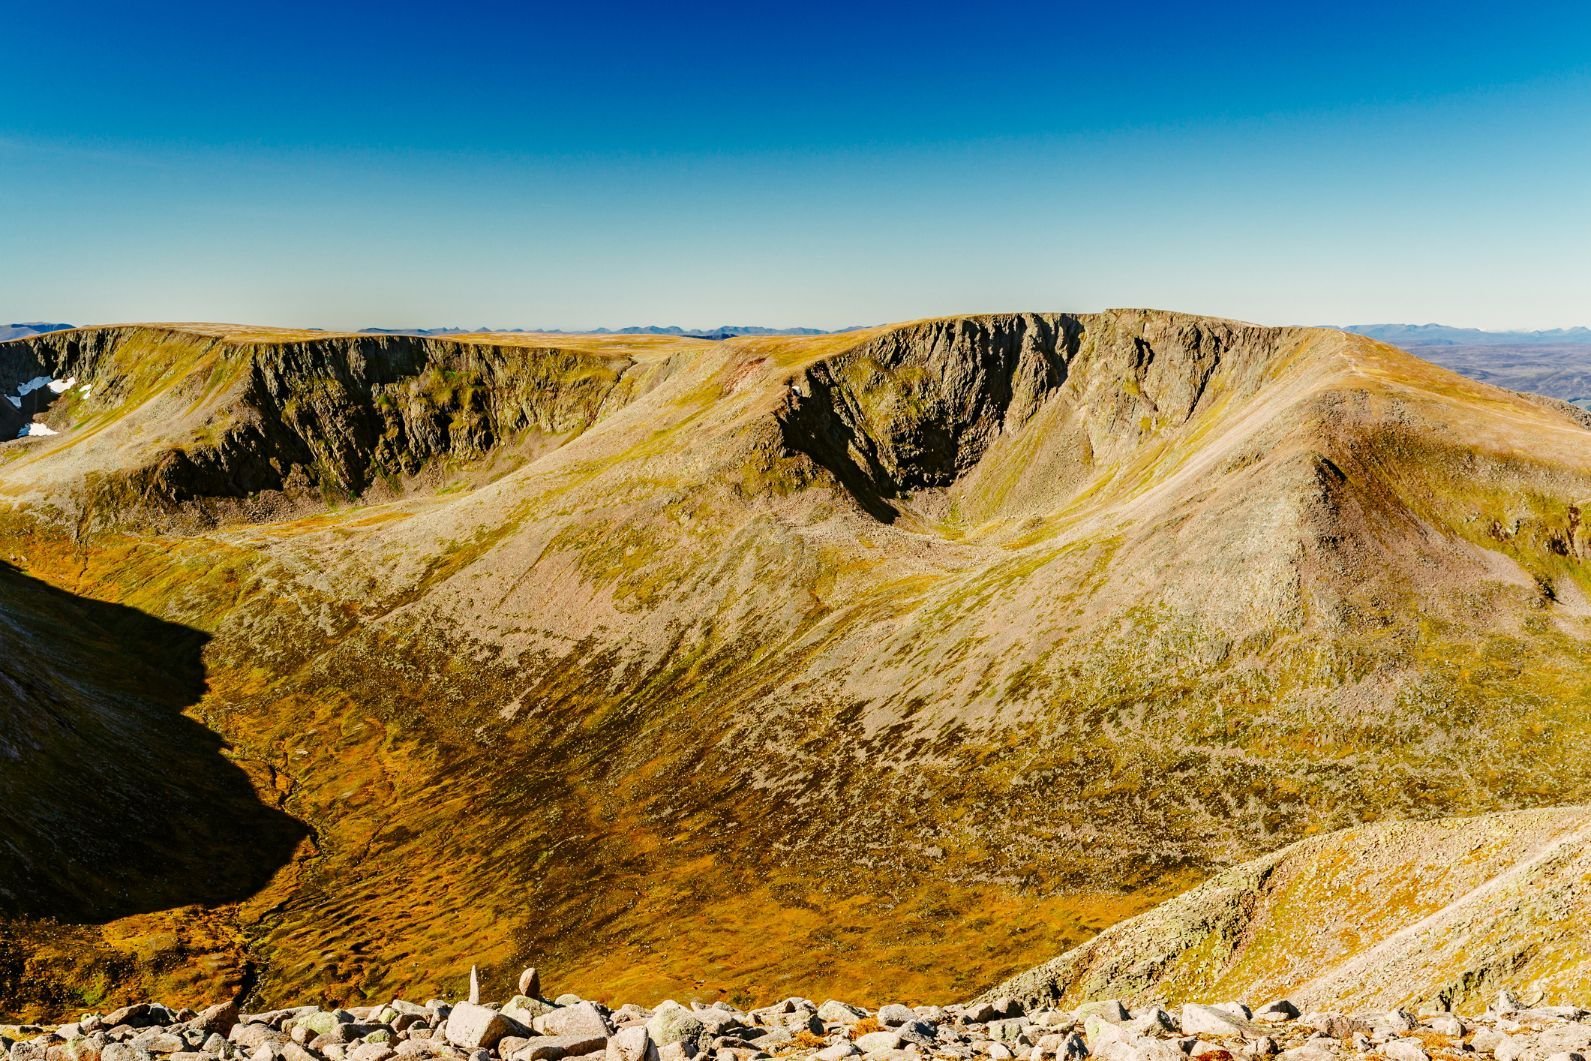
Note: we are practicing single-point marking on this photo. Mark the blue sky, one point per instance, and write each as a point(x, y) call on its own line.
point(500, 164)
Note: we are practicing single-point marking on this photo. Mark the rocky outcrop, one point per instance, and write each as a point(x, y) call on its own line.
point(918, 406)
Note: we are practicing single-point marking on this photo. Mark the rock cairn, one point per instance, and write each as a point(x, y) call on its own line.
point(531, 1028)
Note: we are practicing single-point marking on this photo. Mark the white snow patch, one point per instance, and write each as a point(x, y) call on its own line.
point(57, 386)
point(84, 389)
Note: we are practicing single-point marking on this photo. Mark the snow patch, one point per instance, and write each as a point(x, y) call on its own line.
point(55, 386)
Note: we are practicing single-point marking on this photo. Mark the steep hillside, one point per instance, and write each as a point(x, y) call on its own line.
point(907, 656)
point(1440, 913)
point(220, 422)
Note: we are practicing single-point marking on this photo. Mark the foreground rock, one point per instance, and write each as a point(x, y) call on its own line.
point(997, 1030)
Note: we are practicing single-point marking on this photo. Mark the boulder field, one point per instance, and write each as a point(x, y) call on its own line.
point(530, 1028)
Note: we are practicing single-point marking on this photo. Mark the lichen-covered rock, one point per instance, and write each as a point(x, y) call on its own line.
point(473, 1026)
point(1208, 1020)
point(1404, 1050)
point(879, 1042)
point(673, 1023)
point(525, 1009)
point(577, 1018)
point(834, 1012)
point(1106, 1009)
point(631, 1044)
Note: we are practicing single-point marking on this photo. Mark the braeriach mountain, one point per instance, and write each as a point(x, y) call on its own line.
point(883, 664)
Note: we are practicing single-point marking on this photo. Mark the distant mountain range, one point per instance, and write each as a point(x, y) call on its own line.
point(723, 331)
point(19, 331)
point(1556, 362)
point(1444, 335)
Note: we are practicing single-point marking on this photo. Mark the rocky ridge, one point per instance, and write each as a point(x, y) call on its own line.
point(531, 1028)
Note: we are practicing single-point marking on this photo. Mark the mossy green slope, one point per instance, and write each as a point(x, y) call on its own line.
point(820, 662)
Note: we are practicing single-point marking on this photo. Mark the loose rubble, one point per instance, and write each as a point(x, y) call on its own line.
point(530, 1028)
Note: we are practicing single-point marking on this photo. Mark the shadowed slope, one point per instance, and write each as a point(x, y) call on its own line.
point(112, 802)
point(128, 831)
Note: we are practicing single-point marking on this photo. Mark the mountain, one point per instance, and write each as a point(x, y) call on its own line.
point(885, 663)
point(17, 331)
point(1409, 914)
point(1556, 363)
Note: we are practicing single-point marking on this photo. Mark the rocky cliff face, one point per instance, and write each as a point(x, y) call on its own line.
point(327, 418)
point(594, 649)
point(920, 407)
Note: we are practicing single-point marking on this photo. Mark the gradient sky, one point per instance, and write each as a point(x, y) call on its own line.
point(578, 165)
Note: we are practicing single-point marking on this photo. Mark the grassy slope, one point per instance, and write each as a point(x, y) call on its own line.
point(658, 705)
point(1394, 914)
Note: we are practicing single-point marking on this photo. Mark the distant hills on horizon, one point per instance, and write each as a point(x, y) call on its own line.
point(1398, 334)
point(723, 331)
point(27, 328)
point(1555, 361)
point(1447, 335)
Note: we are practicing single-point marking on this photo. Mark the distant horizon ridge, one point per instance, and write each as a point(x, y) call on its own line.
point(721, 331)
point(1391, 331)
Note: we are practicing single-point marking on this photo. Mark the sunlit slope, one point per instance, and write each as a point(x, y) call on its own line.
point(820, 661)
point(199, 423)
point(1396, 914)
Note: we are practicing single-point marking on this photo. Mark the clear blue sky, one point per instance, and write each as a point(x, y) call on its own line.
point(576, 165)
